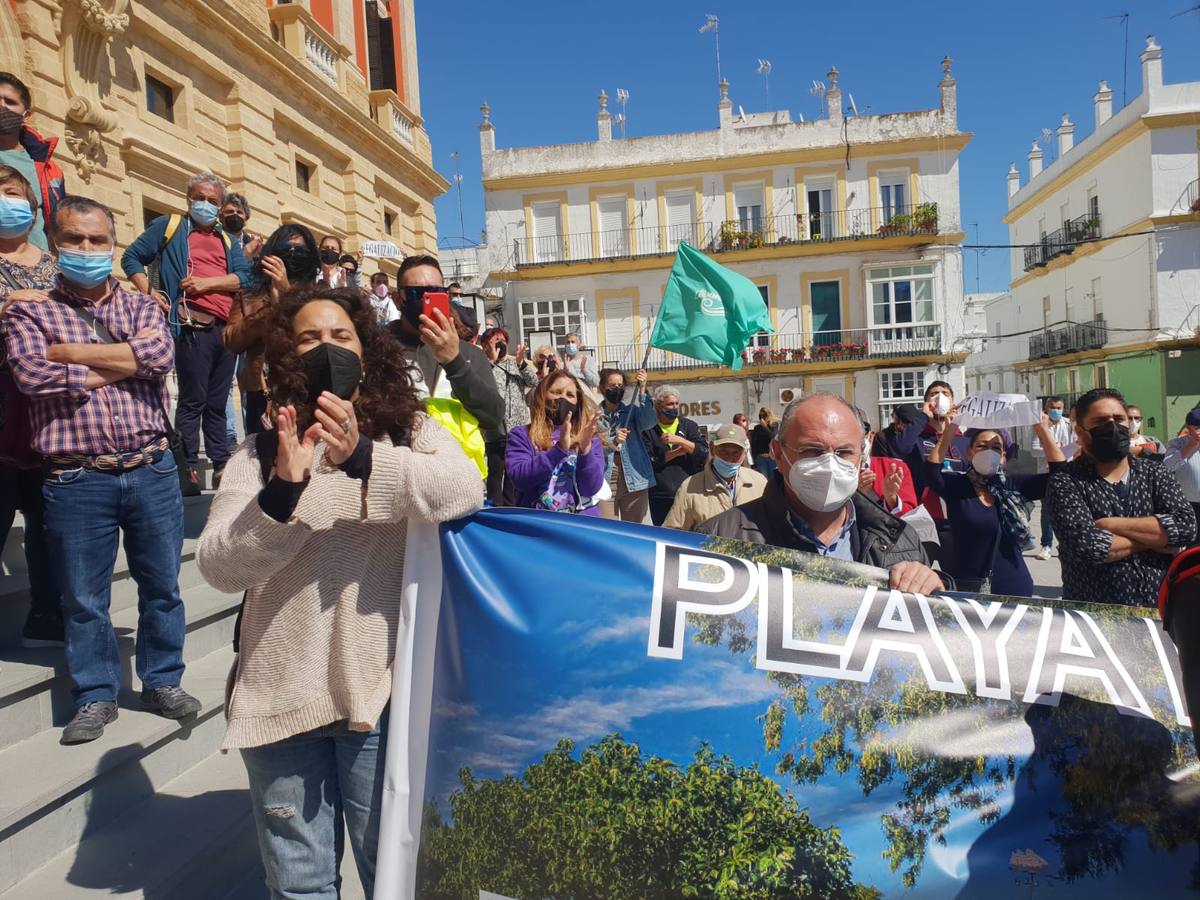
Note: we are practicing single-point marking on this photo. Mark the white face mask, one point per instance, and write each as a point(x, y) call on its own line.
point(823, 483)
point(1135, 425)
point(986, 462)
point(866, 460)
point(941, 405)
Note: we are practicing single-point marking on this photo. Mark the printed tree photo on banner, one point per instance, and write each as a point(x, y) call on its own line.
point(708, 312)
point(700, 717)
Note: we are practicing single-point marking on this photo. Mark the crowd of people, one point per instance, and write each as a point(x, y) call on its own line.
point(366, 407)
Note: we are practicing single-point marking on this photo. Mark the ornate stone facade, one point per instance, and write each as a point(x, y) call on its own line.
point(144, 94)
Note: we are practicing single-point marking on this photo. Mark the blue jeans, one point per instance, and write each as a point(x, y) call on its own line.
point(204, 370)
point(1047, 529)
point(302, 789)
point(85, 510)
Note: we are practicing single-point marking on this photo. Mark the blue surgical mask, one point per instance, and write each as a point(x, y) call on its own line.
point(16, 217)
point(726, 470)
point(1054, 414)
point(203, 212)
point(85, 268)
point(571, 349)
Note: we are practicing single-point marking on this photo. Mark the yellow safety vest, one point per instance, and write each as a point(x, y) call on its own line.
point(463, 427)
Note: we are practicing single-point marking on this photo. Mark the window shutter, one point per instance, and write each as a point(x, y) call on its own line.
point(612, 226)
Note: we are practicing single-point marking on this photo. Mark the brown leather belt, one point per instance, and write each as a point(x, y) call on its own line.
point(108, 462)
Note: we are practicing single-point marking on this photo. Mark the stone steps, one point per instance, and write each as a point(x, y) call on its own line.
point(152, 809)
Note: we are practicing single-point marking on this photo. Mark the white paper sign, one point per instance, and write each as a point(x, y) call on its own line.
point(382, 250)
point(988, 410)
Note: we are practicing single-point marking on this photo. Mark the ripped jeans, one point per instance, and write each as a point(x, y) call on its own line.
point(303, 788)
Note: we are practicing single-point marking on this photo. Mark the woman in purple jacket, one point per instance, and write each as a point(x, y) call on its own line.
point(556, 462)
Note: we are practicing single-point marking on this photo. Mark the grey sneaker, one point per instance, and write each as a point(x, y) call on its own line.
point(170, 702)
point(89, 722)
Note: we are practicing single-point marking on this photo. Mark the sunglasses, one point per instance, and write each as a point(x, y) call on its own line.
point(416, 293)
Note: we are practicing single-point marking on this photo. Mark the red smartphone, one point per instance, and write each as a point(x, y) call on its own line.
point(432, 301)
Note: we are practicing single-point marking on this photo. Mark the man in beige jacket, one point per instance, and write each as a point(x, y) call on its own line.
point(721, 485)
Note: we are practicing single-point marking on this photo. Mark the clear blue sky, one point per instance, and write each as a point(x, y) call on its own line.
point(1019, 66)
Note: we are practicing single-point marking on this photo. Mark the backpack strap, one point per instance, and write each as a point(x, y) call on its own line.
point(173, 222)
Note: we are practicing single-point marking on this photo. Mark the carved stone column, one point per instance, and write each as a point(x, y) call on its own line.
point(86, 28)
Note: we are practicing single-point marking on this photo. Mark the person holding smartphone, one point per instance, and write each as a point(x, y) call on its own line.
point(441, 363)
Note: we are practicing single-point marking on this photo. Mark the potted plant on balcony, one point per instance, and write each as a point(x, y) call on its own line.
point(856, 349)
point(822, 351)
point(753, 239)
point(780, 355)
point(925, 218)
point(897, 224)
point(728, 235)
point(761, 355)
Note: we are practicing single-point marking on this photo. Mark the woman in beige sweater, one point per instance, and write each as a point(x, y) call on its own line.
point(310, 522)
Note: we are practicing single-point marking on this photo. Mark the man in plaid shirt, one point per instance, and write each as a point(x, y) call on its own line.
point(93, 359)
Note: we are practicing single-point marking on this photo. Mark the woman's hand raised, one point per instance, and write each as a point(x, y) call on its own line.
point(338, 427)
point(293, 459)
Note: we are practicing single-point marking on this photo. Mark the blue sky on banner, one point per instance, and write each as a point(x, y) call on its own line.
point(1019, 66)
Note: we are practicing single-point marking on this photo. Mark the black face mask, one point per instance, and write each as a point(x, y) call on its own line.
point(10, 121)
point(234, 224)
point(1110, 442)
point(614, 395)
point(329, 257)
point(501, 350)
point(298, 262)
point(559, 410)
point(328, 367)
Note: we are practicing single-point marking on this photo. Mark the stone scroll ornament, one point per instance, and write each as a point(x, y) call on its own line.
point(86, 28)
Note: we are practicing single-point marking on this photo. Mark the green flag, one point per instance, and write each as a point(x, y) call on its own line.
point(708, 312)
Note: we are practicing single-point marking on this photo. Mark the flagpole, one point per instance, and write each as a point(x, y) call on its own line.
point(637, 392)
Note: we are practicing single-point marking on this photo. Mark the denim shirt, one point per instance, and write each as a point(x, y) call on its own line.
point(635, 461)
point(841, 545)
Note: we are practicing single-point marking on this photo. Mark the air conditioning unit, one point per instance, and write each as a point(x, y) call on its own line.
point(788, 394)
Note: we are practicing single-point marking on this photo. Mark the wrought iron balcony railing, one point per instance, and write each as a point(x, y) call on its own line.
point(746, 234)
point(796, 348)
point(1063, 240)
point(1069, 338)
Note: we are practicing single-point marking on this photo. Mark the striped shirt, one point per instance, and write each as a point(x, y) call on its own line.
point(68, 418)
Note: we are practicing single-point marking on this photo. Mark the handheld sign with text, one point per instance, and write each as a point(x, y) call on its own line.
point(988, 410)
point(382, 250)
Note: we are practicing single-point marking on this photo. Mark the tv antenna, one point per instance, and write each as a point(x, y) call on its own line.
point(764, 69)
point(819, 90)
point(1046, 141)
point(623, 99)
point(458, 179)
point(1123, 18)
point(853, 105)
point(714, 25)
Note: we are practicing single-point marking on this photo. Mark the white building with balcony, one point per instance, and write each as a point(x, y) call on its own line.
point(1106, 283)
point(849, 225)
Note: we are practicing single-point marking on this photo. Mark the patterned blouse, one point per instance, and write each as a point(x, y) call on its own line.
point(1078, 495)
point(40, 275)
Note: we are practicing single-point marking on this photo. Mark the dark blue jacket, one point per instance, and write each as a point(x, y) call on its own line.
point(174, 265)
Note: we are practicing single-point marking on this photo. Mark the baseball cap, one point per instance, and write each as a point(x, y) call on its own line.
point(1193, 417)
point(731, 434)
point(907, 413)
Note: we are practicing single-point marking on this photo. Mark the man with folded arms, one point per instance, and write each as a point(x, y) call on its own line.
point(93, 359)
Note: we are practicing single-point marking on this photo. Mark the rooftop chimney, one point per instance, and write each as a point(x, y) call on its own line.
point(1151, 66)
point(949, 92)
point(1103, 100)
point(1066, 136)
point(1035, 161)
point(487, 134)
point(603, 119)
point(833, 96)
point(725, 105)
point(1014, 179)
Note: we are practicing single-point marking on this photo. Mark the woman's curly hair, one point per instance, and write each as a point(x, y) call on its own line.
point(386, 404)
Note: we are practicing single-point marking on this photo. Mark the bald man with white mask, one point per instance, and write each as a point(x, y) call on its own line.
point(813, 504)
